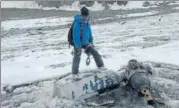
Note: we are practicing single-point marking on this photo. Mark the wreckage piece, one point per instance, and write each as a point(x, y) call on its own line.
point(147, 95)
point(92, 83)
point(10, 88)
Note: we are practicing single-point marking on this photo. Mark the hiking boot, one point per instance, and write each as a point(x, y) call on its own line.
point(102, 68)
point(76, 77)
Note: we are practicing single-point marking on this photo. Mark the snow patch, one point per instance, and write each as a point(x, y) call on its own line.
point(31, 23)
point(176, 8)
point(174, 3)
point(74, 7)
point(137, 14)
point(20, 4)
point(173, 103)
point(133, 5)
point(114, 6)
point(96, 7)
point(105, 18)
point(115, 42)
point(33, 5)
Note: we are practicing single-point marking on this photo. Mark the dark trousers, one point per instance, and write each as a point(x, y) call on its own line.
point(77, 56)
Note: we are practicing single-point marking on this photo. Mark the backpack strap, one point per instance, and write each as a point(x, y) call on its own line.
point(81, 32)
point(72, 33)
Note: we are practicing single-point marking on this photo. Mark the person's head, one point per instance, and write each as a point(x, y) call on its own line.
point(85, 14)
point(133, 64)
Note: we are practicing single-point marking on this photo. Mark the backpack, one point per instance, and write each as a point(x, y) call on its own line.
point(70, 36)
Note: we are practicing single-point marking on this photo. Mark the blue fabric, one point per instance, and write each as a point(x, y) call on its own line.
point(85, 30)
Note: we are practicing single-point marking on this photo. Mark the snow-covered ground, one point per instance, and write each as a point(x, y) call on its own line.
point(76, 5)
point(177, 8)
point(130, 5)
point(20, 4)
point(39, 54)
point(56, 21)
point(46, 53)
point(137, 14)
point(31, 23)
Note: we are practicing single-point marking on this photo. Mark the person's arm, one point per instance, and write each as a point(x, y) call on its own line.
point(76, 36)
point(148, 67)
point(90, 36)
point(123, 74)
point(126, 74)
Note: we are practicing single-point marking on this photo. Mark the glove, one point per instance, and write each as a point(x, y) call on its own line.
point(91, 43)
point(78, 51)
point(87, 47)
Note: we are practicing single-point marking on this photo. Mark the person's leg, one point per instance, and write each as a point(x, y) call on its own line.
point(76, 61)
point(96, 55)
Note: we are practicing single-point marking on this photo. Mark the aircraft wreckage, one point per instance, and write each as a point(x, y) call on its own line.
point(94, 83)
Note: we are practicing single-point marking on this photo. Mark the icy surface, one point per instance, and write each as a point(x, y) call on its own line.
point(165, 89)
point(20, 4)
point(75, 6)
point(37, 54)
point(138, 14)
point(31, 23)
point(33, 5)
point(45, 53)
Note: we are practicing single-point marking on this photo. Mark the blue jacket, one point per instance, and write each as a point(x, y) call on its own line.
point(85, 32)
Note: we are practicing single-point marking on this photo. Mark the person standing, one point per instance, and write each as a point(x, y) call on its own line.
point(83, 39)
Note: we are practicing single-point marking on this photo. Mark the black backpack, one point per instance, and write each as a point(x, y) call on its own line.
point(70, 36)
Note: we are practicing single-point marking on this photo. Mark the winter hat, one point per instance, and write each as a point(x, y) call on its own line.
point(133, 64)
point(84, 11)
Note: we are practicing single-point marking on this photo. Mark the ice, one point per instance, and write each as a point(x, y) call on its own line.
point(96, 7)
point(177, 8)
point(121, 46)
point(134, 5)
point(138, 14)
point(35, 23)
point(76, 5)
point(38, 55)
point(33, 5)
point(20, 4)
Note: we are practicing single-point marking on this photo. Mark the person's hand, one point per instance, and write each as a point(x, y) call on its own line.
point(91, 43)
point(78, 51)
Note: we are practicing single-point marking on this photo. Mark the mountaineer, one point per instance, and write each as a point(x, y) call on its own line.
point(82, 39)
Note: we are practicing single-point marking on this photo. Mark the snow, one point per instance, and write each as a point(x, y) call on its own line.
point(174, 3)
point(20, 4)
point(105, 18)
point(31, 23)
point(129, 5)
point(33, 5)
point(137, 5)
point(114, 6)
point(177, 8)
point(41, 59)
point(37, 55)
point(96, 7)
point(76, 5)
point(133, 5)
point(163, 54)
point(138, 14)
point(166, 53)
